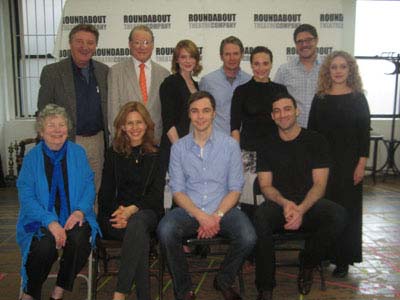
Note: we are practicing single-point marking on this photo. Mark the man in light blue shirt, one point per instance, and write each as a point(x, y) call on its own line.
point(206, 178)
point(222, 82)
point(300, 75)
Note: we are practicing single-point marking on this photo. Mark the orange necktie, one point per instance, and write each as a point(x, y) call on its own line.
point(142, 83)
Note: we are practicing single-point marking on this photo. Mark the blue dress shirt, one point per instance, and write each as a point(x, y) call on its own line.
point(206, 175)
point(218, 85)
point(301, 84)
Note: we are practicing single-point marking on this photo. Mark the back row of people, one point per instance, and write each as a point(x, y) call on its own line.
point(81, 81)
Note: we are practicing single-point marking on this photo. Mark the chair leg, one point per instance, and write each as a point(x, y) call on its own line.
point(160, 274)
point(322, 277)
point(95, 274)
point(90, 276)
point(241, 282)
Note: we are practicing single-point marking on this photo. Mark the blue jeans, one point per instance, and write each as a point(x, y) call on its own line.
point(178, 224)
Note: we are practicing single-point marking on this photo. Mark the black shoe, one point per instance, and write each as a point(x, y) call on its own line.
point(264, 295)
point(229, 293)
point(305, 280)
point(340, 271)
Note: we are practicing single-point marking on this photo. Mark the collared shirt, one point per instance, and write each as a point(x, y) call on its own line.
point(301, 84)
point(89, 115)
point(217, 84)
point(147, 72)
point(206, 175)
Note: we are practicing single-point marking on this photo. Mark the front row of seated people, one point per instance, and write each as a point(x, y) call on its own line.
point(56, 193)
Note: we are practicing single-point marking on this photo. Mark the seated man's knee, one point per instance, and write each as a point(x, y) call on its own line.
point(341, 218)
point(246, 236)
point(261, 224)
point(167, 229)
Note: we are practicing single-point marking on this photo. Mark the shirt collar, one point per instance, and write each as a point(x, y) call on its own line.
point(78, 69)
point(137, 63)
point(238, 74)
point(317, 61)
point(210, 140)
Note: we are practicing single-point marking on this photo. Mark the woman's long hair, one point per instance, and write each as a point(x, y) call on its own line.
point(353, 80)
point(121, 143)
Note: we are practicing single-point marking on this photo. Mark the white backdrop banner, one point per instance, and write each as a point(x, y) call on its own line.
point(257, 23)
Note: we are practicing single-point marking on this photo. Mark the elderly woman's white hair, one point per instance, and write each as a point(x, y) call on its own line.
point(51, 110)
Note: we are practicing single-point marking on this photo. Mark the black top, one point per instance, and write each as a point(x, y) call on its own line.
point(174, 96)
point(48, 167)
point(131, 180)
point(344, 120)
point(251, 112)
point(292, 162)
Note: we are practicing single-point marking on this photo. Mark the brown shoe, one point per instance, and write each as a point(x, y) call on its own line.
point(264, 295)
point(190, 296)
point(229, 293)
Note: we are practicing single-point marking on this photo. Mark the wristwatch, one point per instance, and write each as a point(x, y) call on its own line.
point(219, 213)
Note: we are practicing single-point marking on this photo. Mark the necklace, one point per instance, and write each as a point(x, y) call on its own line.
point(137, 154)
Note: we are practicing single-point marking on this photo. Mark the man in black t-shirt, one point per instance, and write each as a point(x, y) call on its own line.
point(293, 172)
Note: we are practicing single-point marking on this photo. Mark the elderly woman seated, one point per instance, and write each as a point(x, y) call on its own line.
point(56, 194)
point(130, 196)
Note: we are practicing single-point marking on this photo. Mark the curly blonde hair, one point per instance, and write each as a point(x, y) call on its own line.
point(353, 80)
point(121, 142)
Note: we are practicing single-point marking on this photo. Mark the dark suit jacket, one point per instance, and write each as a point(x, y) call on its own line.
point(57, 86)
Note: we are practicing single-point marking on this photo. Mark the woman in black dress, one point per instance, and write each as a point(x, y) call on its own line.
point(251, 121)
point(340, 112)
point(131, 196)
point(174, 95)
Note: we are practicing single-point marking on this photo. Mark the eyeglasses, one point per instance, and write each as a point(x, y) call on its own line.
point(144, 43)
point(305, 41)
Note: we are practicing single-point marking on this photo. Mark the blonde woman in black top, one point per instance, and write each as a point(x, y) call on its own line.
point(340, 112)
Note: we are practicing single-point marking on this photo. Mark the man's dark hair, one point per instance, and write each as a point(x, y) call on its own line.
point(84, 27)
point(261, 49)
point(231, 40)
point(280, 96)
point(200, 95)
point(305, 28)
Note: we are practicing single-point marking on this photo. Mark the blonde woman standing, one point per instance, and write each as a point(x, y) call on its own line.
point(340, 112)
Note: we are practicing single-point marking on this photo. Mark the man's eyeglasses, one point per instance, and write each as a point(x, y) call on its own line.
point(144, 43)
point(305, 41)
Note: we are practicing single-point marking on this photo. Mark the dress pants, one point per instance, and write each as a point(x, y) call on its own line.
point(325, 220)
point(178, 224)
point(43, 254)
point(134, 265)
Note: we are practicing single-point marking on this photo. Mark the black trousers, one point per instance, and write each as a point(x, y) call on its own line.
point(43, 254)
point(134, 252)
point(325, 220)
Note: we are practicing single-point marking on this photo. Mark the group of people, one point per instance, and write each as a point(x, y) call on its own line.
point(305, 136)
